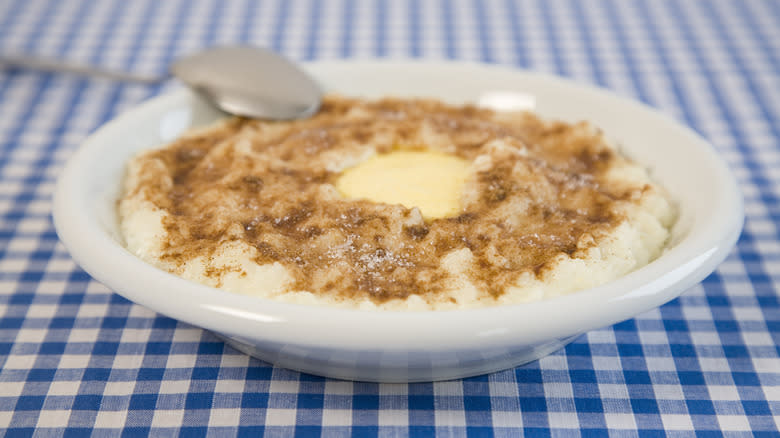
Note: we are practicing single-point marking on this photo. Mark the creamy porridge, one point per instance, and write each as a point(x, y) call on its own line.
point(396, 204)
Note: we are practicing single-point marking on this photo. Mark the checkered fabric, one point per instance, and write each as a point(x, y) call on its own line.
point(77, 358)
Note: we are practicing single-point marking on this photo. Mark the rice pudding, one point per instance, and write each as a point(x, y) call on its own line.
point(395, 204)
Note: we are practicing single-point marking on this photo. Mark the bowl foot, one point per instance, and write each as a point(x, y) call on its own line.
point(395, 367)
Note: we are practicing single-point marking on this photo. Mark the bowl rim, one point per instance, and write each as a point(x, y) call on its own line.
point(681, 267)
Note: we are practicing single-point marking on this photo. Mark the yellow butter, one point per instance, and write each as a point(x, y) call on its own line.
point(430, 181)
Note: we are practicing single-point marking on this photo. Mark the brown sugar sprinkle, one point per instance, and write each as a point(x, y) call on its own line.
point(538, 189)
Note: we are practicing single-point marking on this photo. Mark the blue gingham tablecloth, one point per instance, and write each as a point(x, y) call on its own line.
point(77, 358)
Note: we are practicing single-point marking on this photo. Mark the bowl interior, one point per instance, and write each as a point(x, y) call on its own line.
point(644, 139)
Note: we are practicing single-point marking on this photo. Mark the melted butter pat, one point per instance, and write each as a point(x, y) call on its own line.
point(430, 181)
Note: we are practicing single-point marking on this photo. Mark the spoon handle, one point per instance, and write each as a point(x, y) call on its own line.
point(56, 66)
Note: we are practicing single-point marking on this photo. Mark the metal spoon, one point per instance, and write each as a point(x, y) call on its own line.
point(241, 80)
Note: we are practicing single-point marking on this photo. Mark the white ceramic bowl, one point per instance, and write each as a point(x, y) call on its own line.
point(407, 346)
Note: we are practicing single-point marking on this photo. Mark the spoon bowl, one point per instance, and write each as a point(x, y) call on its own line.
point(251, 82)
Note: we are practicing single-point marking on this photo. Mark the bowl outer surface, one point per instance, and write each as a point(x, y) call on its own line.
point(710, 205)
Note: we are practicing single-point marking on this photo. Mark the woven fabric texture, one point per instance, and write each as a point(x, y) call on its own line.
point(76, 358)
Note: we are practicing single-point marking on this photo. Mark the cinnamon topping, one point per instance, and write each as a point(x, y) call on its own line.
point(537, 190)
